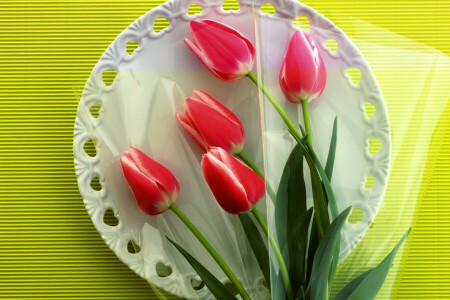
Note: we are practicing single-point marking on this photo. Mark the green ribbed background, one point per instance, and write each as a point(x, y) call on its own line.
point(48, 245)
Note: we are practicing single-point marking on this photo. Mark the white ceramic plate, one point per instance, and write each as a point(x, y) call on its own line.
point(138, 110)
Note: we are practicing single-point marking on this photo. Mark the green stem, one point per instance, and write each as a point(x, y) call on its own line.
point(226, 269)
point(250, 163)
point(306, 119)
point(278, 255)
point(292, 129)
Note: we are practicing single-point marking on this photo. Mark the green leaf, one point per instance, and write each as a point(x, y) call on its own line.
point(291, 197)
point(367, 285)
point(320, 202)
point(300, 294)
point(311, 158)
point(298, 250)
point(257, 244)
point(336, 254)
point(331, 152)
point(302, 130)
point(279, 289)
point(216, 287)
point(312, 248)
point(349, 288)
point(323, 259)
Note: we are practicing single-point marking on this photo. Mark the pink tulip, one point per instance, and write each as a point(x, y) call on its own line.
point(153, 186)
point(236, 187)
point(303, 74)
point(222, 49)
point(211, 124)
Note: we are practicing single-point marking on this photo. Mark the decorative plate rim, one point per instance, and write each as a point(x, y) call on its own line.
point(141, 31)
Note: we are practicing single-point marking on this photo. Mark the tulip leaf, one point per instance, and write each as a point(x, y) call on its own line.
point(302, 130)
point(367, 285)
point(318, 286)
point(336, 254)
point(298, 251)
point(291, 197)
point(257, 244)
point(217, 288)
point(278, 290)
point(311, 157)
point(320, 201)
point(334, 263)
point(332, 151)
point(312, 248)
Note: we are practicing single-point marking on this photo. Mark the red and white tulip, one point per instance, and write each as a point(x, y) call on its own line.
point(211, 124)
point(303, 74)
point(153, 185)
point(223, 50)
point(236, 187)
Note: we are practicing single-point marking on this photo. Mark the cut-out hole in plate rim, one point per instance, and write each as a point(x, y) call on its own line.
point(332, 45)
point(356, 216)
point(94, 110)
point(109, 218)
point(197, 283)
point(230, 5)
point(109, 76)
point(133, 247)
point(131, 46)
point(354, 74)
point(370, 109)
point(89, 148)
point(160, 24)
point(163, 270)
point(95, 184)
point(302, 22)
point(370, 182)
point(194, 9)
point(268, 8)
point(374, 145)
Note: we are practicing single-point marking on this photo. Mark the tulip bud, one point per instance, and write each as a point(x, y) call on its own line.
point(154, 187)
point(303, 74)
point(236, 187)
point(211, 124)
point(223, 50)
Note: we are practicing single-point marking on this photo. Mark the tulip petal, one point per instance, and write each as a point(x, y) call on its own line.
point(226, 51)
point(253, 184)
point(303, 73)
point(149, 197)
point(192, 131)
point(127, 154)
point(200, 55)
point(233, 31)
point(208, 121)
point(211, 102)
point(157, 172)
point(227, 190)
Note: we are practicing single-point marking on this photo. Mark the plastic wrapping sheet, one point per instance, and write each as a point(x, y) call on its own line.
point(414, 79)
point(416, 91)
point(138, 110)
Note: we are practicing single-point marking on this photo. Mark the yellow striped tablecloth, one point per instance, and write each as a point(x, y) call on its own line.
point(49, 248)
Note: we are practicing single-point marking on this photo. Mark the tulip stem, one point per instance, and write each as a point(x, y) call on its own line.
point(306, 119)
point(278, 255)
point(252, 165)
point(292, 129)
point(222, 264)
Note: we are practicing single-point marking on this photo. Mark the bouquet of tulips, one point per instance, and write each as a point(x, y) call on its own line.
point(306, 241)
